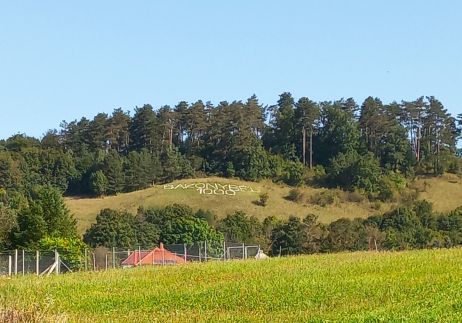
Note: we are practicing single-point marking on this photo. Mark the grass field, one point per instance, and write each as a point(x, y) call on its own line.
point(445, 193)
point(415, 286)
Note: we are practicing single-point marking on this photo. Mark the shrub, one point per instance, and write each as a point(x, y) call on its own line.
point(295, 195)
point(355, 197)
point(240, 228)
point(324, 198)
point(315, 176)
point(377, 205)
point(263, 199)
point(98, 183)
point(70, 250)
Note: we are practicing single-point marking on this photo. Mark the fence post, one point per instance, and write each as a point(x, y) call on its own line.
point(205, 251)
point(57, 262)
point(113, 257)
point(94, 260)
point(10, 260)
point(106, 262)
point(185, 251)
point(37, 262)
point(15, 261)
point(224, 250)
point(23, 265)
point(243, 251)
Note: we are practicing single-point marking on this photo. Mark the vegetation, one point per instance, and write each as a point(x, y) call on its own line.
point(415, 226)
point(362, 286)
point(359, 147)
point(331, 154)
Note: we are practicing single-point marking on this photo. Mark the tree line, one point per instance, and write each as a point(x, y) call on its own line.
point(333, 143)
point(412, 226)
point(42, 221)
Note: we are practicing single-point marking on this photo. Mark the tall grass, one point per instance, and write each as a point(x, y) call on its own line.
point(406, 286)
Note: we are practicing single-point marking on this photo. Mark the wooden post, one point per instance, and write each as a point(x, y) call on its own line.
point(15, 261)
point(243, 251)
point(113, 257)
point(10, 265)
point(23, 265)
point(224, 250)
point(106, 261)
point(37, 262)
point(205, 250)
point(57, 262)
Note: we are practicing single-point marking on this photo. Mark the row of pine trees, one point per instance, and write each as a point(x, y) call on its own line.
point(348, 145)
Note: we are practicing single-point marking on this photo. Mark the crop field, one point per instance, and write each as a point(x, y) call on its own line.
point(413, 286)
point(445, 193)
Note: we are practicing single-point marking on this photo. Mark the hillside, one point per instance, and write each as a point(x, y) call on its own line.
point(444, 192)
point(411, 286)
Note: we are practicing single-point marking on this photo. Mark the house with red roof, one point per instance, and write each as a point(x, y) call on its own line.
point(157, 256)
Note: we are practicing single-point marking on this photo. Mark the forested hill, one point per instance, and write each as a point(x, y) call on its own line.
point(372, 147)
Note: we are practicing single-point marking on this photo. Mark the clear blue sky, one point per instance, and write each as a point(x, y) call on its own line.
point(61, 60)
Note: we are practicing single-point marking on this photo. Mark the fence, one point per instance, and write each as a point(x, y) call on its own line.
point(21, 262)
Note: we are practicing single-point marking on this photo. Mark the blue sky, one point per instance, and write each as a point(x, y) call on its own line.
point(61, 60)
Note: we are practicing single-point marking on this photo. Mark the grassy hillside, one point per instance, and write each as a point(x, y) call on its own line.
point(445, 193)
point(411, 286)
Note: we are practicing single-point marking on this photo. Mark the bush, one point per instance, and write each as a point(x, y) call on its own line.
point(315, 176)
point(98, 183)
point(112, 229)
point(263, 199)
point(178, 223)
point(295, 195)
point(324, 198)
point(293, 173)
point(355, 197)
point(71, 250)
point(409, 196)
point(377, 205)
point(240, 228)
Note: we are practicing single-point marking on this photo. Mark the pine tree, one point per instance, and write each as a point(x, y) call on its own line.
point(113, 170)
point(118, 130)
point(143, 132)
point(98, 183)
point(306, 116)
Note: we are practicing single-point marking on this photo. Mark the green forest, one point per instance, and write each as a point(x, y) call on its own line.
point(371, 148)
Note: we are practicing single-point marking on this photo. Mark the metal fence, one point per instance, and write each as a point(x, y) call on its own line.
point(21, 262)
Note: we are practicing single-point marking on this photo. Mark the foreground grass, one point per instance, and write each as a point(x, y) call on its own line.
point(413, 286)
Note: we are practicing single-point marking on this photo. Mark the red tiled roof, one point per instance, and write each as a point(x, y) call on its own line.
point(156, 256)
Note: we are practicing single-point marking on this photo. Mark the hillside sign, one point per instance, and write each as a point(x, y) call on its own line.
point(211, 188)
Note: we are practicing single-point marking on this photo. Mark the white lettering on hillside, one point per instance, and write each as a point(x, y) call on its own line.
point(212, 188)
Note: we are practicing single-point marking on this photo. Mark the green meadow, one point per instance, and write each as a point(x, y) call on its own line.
point(411, 286)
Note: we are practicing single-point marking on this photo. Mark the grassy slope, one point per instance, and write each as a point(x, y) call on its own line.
point(412, 286)
point(87, 208)
point(445, 193)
